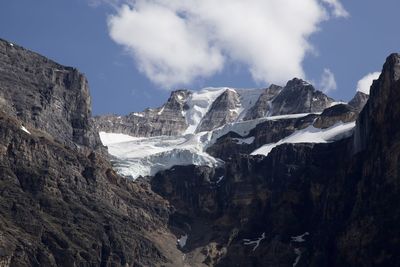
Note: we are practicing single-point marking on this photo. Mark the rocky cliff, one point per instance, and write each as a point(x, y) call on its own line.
point(207, 110)
point(61, 203)
point(328, 204)
point(46, 95)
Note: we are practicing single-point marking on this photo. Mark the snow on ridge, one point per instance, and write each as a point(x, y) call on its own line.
point(142, 156)
point(241, 141)
point(310, 135)
point(199, 103)
point(248, 98)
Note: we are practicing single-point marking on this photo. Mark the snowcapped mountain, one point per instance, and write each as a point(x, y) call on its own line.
point(189, 127)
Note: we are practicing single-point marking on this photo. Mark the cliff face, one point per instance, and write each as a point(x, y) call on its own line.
point(304, 204)
point(166, 120)
point(61, 204)
point(46, 96)
point(299, 96)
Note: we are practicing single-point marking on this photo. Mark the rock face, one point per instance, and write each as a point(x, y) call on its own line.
point(299, 96)
point(263, 105)
point(340, 113)
point(166, 120)
point(329, 204)
point(225, 109)
point(46, 95)
point(270, 131)
point(358, 101)
point(61, 205)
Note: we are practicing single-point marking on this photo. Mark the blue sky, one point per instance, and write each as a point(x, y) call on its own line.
point(76, 33)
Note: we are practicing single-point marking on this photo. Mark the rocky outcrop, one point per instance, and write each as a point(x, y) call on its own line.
point(358, 101)
point(166, 120)
point(263, 105)
point(225, 109)
point(299, 96)
point(47, 96)
point(269, 131)
point(340, 113)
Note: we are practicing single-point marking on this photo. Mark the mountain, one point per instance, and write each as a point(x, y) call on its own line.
point(191, 112)
point(304, 204)
point(61, 203)
point(279, 176)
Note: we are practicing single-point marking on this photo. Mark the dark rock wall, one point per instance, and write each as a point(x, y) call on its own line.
point(46, 96)
point(344, 195)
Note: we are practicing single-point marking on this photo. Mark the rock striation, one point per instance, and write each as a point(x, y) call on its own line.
point(165, 120)
point(61, 203)
point(299, 96)
point(330, 204)
point(46, 95)
point(224, 109)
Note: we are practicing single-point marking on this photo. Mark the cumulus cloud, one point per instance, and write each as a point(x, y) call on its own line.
point(365, 83)
point(178, 41)
point(328, 82)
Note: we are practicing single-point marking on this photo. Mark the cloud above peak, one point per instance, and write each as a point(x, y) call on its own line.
point(364, 84)
point(176, 42)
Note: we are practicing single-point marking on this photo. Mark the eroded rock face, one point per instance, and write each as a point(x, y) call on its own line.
point(331, 204)
point(340, 113)
point(223, 110)
point(61, 204)
point(46, 95)
point(63, 208)
point(358, 101)
point(263, 105)
point(299, 96)
point(166, 120)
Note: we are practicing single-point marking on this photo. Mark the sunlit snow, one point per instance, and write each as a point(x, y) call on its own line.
point(310, 135)
point(25, 130)
point(255, 242)
point(142, 156)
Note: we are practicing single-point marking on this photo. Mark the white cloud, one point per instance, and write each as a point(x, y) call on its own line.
point(365, 83)
point(328, 82)
point(175, 42)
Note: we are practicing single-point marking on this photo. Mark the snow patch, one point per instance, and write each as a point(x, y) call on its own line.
point(161, 111)
point(112, 138)
point(310, 135)
point(299, 238)
point(297, 251)
point(138, 114)
point(255, 242)
point(219, 179)
point(182, 241)
point(25, 130)
point(199, 103)
point(247, 97)
point(241, 141)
